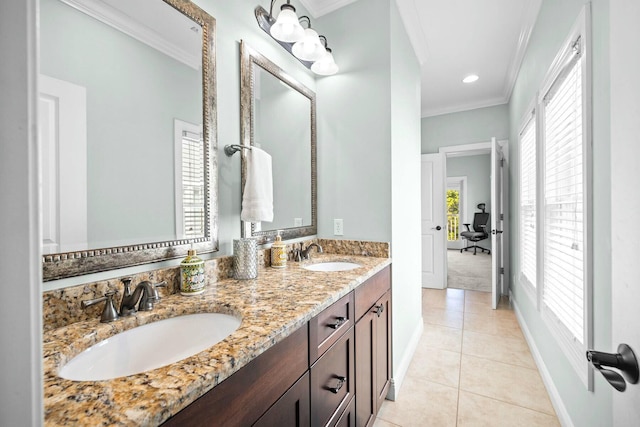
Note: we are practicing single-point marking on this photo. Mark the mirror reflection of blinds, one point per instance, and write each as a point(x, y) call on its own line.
point(193, 184)
point(528, 196)
point(564, 201)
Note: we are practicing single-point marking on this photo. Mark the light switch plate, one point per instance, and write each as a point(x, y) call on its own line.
point(338, 227)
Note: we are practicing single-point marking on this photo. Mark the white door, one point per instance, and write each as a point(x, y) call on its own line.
point(62, 129)
point(496, 222)
point(434, 259)
point(625, 197)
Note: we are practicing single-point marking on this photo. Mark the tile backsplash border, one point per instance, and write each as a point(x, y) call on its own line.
point(61, 307)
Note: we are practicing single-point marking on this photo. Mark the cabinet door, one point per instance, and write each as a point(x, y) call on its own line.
point(365, 402)
point(292, 409)
point(348, 417)
point(382, 347)
point(332, 382)
point(373, 356)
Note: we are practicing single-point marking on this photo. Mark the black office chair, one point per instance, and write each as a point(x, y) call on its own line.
point(480, 230)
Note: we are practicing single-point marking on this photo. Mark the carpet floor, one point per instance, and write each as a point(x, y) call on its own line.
point(468, 271)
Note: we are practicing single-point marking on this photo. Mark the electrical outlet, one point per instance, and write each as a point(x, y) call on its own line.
point(338, 227)
point(297, 222)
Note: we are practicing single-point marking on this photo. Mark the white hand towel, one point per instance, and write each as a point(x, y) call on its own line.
point(257, 200)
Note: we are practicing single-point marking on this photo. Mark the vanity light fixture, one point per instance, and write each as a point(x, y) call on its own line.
point(287, 28)
point(325, 66)
point(470, 78)
point(309, 48)
point(304, 43)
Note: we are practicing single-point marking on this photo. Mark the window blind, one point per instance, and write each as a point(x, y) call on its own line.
point(564, 200)
point(193, 184)
point(528, 233)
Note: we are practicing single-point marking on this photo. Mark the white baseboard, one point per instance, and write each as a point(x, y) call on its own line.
point(403, 366)
point(556, 400)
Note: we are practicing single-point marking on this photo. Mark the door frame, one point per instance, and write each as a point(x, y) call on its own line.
point(479, 148)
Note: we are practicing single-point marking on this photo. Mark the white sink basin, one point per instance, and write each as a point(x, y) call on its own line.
point(332, 266)
point(150, 346)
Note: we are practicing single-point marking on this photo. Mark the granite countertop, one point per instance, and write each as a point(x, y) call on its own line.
point(272, 306)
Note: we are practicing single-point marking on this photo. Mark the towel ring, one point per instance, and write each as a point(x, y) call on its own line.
point(231, 149)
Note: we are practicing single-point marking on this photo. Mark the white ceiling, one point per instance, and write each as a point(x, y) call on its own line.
point(454, 38)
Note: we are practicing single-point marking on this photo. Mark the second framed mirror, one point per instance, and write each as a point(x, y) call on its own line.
point(279, 116)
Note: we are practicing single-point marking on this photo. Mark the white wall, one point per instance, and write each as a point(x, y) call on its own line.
point(20, 267)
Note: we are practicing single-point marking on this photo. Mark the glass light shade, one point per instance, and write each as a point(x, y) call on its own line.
point(325, 66)
point(310, 48)
point(287, 28)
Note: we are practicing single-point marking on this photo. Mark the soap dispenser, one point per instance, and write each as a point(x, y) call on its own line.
point(191, 274)
point(279, 253)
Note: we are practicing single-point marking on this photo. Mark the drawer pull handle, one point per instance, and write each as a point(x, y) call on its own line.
point(379, 309)
point(339, 322)
point(336, 389)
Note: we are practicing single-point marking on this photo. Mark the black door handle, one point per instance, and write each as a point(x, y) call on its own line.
point(624, 360)
point(497, 231)
point(437, 227)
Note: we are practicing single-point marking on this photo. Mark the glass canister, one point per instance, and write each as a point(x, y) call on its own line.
point(245, 258)
point(191, 274)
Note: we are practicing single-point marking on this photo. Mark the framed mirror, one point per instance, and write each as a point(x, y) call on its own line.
point(127, 115)
point(278, 115)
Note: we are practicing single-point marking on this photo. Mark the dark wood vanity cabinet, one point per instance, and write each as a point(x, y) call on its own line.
point(334, 371)
point(373, 346)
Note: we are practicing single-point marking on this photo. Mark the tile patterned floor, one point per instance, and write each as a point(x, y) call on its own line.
point(472, 367)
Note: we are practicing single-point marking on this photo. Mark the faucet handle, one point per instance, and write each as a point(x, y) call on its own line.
point(109, 314)
point(151, 297)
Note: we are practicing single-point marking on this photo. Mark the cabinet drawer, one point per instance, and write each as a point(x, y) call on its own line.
point(371, 290)
point(327, 327)
point(333, 382)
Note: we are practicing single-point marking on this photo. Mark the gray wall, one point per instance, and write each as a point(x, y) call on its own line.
point(554, 22)
point(369, 148)
point(466, 127)
point(477, 169)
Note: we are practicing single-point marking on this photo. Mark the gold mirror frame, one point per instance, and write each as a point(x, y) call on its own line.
point(70, 264)
point(249, 57)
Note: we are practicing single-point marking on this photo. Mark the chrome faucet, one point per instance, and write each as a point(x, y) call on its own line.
point(306, 253)
point(145, 293)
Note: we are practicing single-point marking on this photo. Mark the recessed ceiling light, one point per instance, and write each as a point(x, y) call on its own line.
point(470, 78)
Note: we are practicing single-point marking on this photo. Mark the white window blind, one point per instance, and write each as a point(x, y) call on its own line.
point(528, 176)
point(564, 180)
point(193, 184)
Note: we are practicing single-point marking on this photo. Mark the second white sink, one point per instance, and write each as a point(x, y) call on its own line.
point(150, 346)
point(332, 266)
